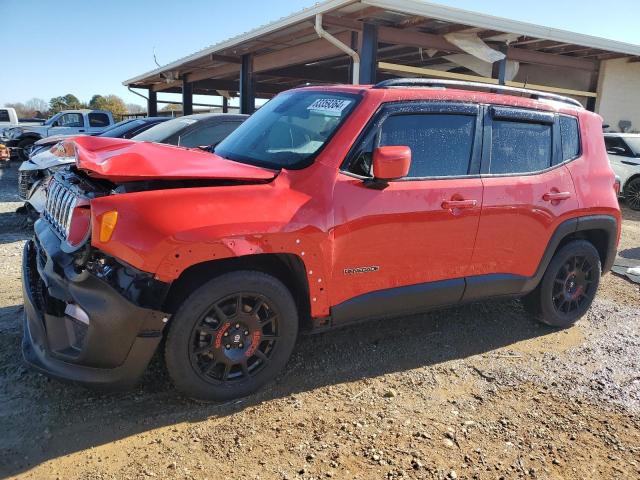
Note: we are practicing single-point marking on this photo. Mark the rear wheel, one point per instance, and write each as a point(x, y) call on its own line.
point(568, 286)
point(231, 336)
point(632, 194)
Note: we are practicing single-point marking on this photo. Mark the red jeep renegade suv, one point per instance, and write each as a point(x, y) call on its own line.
point(329, 205)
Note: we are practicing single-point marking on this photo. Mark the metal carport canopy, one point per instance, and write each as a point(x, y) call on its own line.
point(287, 52)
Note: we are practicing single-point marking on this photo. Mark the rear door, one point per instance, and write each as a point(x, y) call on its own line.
point(98, 122)
point(419, 230)
point(528, 192)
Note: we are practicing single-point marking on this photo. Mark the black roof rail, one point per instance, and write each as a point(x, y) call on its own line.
point(434, 82)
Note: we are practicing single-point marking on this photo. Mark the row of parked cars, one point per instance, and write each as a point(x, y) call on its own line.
point(48, 154)
point(328, 206)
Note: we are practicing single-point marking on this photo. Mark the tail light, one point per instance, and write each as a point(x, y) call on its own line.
point(617, 186)
point(79, 225)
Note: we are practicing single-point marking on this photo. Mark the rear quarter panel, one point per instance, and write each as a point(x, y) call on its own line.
point(592, 174)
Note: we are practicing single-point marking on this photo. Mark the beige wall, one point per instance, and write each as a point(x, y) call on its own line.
point(555, 77)
point(619, 93)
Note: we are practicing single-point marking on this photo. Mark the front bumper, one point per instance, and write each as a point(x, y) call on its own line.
point(109, 346)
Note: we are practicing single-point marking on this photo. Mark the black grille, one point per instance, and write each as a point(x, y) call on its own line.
point(26, 179)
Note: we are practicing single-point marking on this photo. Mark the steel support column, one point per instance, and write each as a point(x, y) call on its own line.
point(225, 105)
point(187, 98)
point(368, 54)
point(247, 86)
point(500, 68)
point(152, 104)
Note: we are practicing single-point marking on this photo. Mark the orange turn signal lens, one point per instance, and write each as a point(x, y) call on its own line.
point(107, 225)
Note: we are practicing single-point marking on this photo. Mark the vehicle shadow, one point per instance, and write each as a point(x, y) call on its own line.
point(74, 418)
point(14, 227)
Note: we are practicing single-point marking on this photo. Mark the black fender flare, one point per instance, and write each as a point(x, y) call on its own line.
point(605, 223)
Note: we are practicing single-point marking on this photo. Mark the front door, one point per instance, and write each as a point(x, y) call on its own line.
point(416, 235)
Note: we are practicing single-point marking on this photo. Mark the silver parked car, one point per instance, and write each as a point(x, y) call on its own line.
point(624, 155)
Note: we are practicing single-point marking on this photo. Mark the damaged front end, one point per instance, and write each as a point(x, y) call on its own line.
point(88, 317)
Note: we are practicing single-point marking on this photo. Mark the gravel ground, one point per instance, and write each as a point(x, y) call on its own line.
point(479, 391)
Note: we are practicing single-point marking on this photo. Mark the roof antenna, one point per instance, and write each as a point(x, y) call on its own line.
point(526, 80)
point(155, 59)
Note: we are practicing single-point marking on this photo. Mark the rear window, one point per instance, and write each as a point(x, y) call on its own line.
point(520, 147)
point(4, 116)
point(570, 137)
point(98, 120)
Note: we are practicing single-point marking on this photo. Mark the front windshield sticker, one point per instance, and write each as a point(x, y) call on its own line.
point(329, 106)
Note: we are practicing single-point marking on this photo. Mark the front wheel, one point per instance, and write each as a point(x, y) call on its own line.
point(632, 194)
point(568, 286)
point(231, 336)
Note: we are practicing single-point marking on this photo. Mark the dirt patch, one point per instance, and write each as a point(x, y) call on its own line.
point(479, 391)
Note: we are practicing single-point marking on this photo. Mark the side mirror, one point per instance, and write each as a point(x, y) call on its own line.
point(391, 162)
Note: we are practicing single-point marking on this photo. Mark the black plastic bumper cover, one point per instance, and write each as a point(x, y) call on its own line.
point(115, 347)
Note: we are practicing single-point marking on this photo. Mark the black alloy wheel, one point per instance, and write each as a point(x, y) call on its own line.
point(632, 194)
point(231, 336)
point(235, 339)
point(568, 285)
point(572, 285)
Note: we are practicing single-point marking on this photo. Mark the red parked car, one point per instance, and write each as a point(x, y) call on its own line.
point(327, 206)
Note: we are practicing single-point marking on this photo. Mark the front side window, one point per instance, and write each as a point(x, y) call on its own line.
point(71, 120)
point(441, 144)
point(570, 137)
point(520, 147)
point(290, 130)
point(98, 120)
point(207, 135)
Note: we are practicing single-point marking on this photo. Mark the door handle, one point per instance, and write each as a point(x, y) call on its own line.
point(451, 204)
point(556, 196)
point(81, 131)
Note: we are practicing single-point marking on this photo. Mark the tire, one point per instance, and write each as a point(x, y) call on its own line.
point(568, 286)
point(22, 145)
point(209, 332)
point(632, 194)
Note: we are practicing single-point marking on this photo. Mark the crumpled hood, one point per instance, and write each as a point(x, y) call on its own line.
point(121, 160)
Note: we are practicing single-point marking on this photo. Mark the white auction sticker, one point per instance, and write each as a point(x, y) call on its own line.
point(329, 106)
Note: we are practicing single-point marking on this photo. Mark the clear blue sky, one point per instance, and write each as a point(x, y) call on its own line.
point(84, 47)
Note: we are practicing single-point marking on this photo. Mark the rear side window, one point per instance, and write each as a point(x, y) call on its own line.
point(98, 120)
point(4, 116)
point(570, 137)
point(441, 144)
point(520, 147)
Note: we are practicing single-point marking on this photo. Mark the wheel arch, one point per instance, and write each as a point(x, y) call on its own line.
point(288, 268)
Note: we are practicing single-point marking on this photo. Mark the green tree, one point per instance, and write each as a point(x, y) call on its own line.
point(66, 102)
point(96, 101)
point(111, 103)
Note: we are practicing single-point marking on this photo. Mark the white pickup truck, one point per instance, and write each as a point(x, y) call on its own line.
point(21, 137)
point(9, 118)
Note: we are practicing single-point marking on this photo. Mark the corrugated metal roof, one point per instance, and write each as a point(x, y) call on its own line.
point(408, 7)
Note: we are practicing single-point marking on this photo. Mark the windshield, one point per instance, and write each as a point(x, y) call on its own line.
point(290, 130)
point(52, 119)
point(160, 133)
point(634, 145)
